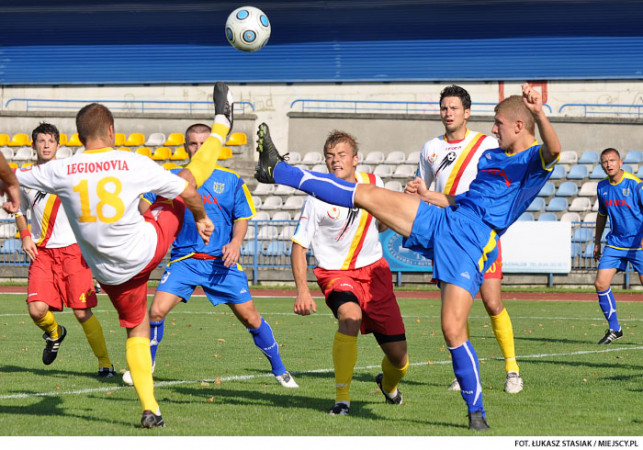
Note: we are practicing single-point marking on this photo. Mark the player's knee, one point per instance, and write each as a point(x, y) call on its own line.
point(601, 285)
point(37, 310)
point(82, 315)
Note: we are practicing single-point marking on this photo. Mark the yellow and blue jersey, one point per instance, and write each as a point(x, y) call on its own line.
point(226, 199)
point(505, 186)
point(621, 202)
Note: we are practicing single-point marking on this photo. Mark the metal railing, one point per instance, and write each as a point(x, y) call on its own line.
point(139, 106)
point(597, 109)
point(381, 106)
point(261, 250)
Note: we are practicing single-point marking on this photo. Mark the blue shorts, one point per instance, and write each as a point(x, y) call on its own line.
point(614, 258)
point(461, 246)
point(221, 284)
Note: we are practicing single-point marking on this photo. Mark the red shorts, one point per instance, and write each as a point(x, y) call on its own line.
point(495, 271)
point(130, 298)
point(60, 276)
point(373, 287)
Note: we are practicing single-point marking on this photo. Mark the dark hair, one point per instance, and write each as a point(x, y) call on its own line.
point(45, 128)
point(610, 150)
point(335, 137)
point(197, 128)
point(456, 91)
point(93, 120)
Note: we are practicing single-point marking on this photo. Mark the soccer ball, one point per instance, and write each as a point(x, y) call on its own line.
point(247, 29)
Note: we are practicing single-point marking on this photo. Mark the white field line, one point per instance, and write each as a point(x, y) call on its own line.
point(249, 377)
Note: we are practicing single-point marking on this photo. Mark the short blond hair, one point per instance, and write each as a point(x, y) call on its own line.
point(514, 107)
point(335, 137)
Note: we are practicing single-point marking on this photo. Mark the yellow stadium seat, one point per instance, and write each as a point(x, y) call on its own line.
point(4, 139)
point(161, 154)
point(27, 164)
point(175, 140)
point(73, 141)
point(237, 138)
point(146, 151)
point(124, 149)
point(19, 140)
point(170, 165)
point(13, 165)
point(119, 139)
point(179, 154)
point(135, 140)
point(62, 140)
point(226, 153)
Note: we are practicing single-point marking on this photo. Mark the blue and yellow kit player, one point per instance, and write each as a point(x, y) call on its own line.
point(619, 199)
point(214, 266)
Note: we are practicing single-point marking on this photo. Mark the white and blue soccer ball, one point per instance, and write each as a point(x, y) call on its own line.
point(247, 29)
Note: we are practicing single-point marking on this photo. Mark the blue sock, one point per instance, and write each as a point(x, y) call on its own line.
point(324, 186)
point(465, 366)
point(265, 341)
point(607, 302)
point(156, 334)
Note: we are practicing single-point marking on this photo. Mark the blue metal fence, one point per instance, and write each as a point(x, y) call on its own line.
point(596, 109)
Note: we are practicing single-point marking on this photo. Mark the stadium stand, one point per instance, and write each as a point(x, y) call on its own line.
point(394, 185)
point(174, 140)
point(413, 158)
point(272, 202)
point(19, 140)
point(376, 157)
point(567, 189)
point(267, 233)
point(559, 172)
point(320, 167)
point(537, 205)
point(590, 217)
point(264, 189)
point(588, 189)
point(155, 140)
point(135, 140)
point(557, 204)
point(570, 217)
point(237, 139)
point(383, 171)
point(145, 151)
point(256, 200)
point(583, 235)
point(7, 152)
point(580, 204)
point(161, 153)
point(395, 157)
point(311, 158)
point(74, 141)
point(24, 154)
point(405, 171)
point(589, 157)
point(597, 173)
point(294, 202)
point(578, 172)
point(526, 217)
point(261, 215)
point(568, 157)
point(285, 191)
point(294, 158)
point(628, 168)
point(547, 217)
point(282, 215)
point(633, 157)
point(547, 190)
point(64, 152)
point(119, 139)
point(367, 168)
point(4, 139)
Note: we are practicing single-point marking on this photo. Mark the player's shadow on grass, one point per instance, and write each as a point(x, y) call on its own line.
point(50, 406)
point(637, 369)
point(552, 340)
point(61, 373)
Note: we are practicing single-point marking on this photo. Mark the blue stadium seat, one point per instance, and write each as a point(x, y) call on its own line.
point(547, 190)
point(577, 250)
point(589, 157)
point(558, 173)
point(557, 204)
point(633, 157)
point(597, 173)
point(589, 250)
point(275, 248)
point(526, 217)
point(547, 217)
point(640, 172)
point(537, 205)
point(11, 246)
point(626, 167)
point(583, 235)
point(249, 249)
point(567, 189)
point(578, 172)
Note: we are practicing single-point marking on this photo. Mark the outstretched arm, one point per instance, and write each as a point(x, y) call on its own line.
point(9, 185)
point(534, 102)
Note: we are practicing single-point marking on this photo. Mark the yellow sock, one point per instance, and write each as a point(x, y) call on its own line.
point(344, 359)
point(139, 361)
point(504, 332)
point(204, 160)
point(49, 325)
point(392, 375)
point(94, 333)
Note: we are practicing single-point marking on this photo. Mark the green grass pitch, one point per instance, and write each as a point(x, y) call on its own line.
point(212, 381)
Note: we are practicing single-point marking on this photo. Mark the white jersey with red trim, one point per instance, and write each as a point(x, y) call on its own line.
point(341, 238)
point(453, 165)
point(49, 225)
point(100, 191)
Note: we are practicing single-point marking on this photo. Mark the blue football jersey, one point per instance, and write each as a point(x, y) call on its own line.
point(621, 202)
point(505, 186)
point(226, 199)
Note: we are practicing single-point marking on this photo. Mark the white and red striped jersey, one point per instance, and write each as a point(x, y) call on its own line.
point(453, 165)
point(341, 238)
point(100, 191)
point(49, 225)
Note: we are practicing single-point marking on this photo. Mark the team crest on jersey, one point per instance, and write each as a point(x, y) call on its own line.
point(626, 192)
point(333, 212)
point(218, 187)
point(433, 157)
